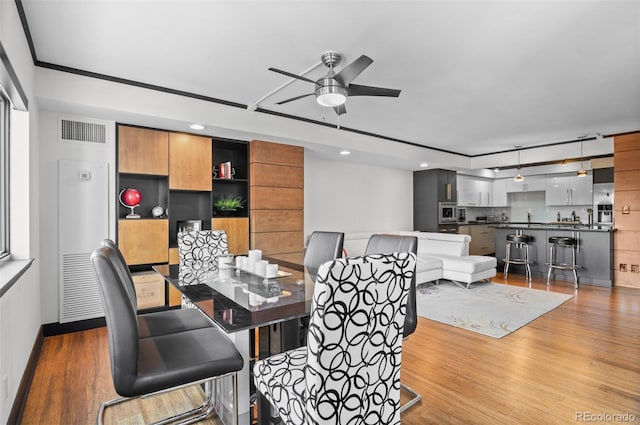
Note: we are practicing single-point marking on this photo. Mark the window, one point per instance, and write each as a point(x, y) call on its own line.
point(4, 175)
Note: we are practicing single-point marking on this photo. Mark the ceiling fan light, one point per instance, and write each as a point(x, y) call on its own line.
point(331, 95)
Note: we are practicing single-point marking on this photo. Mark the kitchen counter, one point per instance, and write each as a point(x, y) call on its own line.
point(594, 253)
point(555, 226)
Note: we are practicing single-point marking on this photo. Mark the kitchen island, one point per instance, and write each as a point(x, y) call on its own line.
point(594, 252)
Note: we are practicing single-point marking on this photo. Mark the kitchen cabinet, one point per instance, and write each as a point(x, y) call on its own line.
point(500, 193)
point(529, 184)
point(447, 185)
point(569, 189)
point(429, 188)
point(483, 239)
point(474, 191)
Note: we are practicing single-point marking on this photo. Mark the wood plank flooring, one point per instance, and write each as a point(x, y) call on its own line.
point(581, 359)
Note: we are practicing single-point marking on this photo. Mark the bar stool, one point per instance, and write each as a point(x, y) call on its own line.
point(562, 242)
point(522, 243)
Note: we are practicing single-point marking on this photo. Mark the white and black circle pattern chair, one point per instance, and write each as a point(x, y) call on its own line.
point(381, 243)
point(198, 251)
point(349, 372)
point(159, 322)
point(156, 364)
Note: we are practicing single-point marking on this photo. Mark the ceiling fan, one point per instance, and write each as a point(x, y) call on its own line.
point(333, 89)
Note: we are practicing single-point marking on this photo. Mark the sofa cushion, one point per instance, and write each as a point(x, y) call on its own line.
point(470, 264)
point(427, 263)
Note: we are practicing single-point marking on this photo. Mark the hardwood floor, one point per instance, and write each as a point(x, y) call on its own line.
point(580, 359)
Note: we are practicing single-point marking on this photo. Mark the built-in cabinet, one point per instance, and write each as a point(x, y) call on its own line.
point(500, 193)
point(429, 188)
point(175, 171)
point(474, 191)
point(277, 200)
point(483, 239)
point(569, 189)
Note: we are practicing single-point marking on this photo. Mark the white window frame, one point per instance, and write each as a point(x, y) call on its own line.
point(5, 114)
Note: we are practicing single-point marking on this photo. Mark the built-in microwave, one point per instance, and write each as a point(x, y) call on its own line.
point(447, 212)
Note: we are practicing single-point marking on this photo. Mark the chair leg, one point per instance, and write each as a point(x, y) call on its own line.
point(506, 262)
point(191, 416)
point(550, 266)
point(414, 399)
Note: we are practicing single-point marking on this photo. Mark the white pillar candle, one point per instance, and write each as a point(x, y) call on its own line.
point(239, 260)
point(272, 270)
point(255, 254)
point(261, 267)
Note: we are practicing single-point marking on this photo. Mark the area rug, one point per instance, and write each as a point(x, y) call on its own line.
point(490, 309)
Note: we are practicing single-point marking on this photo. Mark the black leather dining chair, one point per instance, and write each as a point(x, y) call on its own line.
point(158, 364)
point(159, 322)
point(322, 247)
point(380, 244)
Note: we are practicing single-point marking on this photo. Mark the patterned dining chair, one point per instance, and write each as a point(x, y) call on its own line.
point(381, 243)
point(349, 371)
point(198, 251)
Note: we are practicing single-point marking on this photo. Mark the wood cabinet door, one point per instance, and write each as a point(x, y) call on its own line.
point(143, 151)
point(144, 241)
point(237, 229)
point(190, 164)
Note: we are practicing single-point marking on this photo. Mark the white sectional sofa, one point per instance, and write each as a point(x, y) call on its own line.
point(440, 256)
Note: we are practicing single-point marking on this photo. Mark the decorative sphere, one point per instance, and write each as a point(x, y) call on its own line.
point(130, 197)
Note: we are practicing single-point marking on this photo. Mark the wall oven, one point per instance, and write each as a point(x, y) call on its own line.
point(447, 212)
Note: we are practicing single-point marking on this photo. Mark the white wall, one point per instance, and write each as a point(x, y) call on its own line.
point(20, 306)
point(51, 151)
point(350, 197)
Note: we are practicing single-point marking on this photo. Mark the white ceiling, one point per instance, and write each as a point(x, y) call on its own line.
point(476, 77)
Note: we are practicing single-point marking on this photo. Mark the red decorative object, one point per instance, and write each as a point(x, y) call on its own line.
point(131, 198)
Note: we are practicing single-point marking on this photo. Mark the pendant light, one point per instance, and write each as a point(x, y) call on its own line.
point(518, 176)
point(581, 172)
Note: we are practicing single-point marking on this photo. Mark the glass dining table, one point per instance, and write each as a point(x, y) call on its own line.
point(242, 303)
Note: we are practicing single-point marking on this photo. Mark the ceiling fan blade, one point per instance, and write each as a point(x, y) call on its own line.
point(340, 109)
point(294, 98)
point(351, 71)
point(288, 74)
point(358, 90)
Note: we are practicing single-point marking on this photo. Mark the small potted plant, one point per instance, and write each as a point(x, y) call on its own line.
point(227, 204)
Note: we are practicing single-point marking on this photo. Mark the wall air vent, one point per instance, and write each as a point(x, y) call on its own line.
point(81, 130)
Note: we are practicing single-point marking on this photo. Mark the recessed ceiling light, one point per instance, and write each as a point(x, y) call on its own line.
point(345, 152)
point(424, 164)
point(196, 127)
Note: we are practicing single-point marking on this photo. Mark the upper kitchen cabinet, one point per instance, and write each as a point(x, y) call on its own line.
point(474, 191)
point(429, 188)
point(529, 184)
point(569, 189)
point(500, 192)
point(190, 164)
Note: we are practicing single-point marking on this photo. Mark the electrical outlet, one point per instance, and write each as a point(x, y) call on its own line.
point(635, 268)
point(623, 267)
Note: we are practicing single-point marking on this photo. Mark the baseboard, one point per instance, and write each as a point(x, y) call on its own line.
point(52, 329)
point(19, 403)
